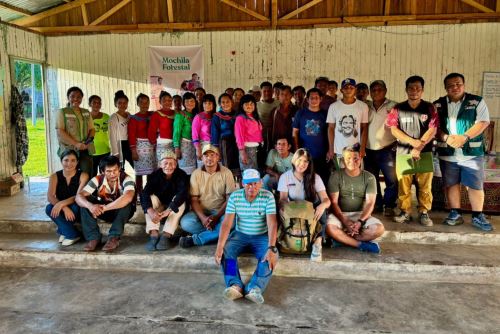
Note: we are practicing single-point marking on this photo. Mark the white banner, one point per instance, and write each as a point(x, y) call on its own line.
point(175, 69)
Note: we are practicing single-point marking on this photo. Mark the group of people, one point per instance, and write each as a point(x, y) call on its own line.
point(320, 148)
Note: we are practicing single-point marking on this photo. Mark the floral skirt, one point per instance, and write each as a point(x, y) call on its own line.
point(188, 161)
point(147, 158)
point(162, 146)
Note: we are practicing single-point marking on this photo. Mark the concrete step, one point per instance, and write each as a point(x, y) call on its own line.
point(413, 233)
point(398, 262)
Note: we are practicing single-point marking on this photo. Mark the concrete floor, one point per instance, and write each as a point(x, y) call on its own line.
point(86, 301)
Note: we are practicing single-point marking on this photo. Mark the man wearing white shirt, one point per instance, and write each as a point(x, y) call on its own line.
point(347, 122)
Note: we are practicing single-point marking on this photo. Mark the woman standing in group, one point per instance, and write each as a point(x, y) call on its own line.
point(237, 95)
point(75, 129)
point(302, 183)
point(118, 130)
point(183, 145)
point(63, 187)
point(222, 134)
point(161, 126)
point(248, 132)
point(101, 138)
point(202, 123)
point(143, 152)
point(177, 102)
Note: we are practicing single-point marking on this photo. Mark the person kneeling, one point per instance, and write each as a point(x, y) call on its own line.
point(164, 196)
point(353, 193)
point(107, 196)
point(254, 210)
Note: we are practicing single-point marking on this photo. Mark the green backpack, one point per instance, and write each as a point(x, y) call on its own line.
point(298, 227)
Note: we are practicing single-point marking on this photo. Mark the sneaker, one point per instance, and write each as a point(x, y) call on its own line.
point(61, 238)
point(255, 295)
point(69, 242)
point(482, 223)
point(453, 219)
point(186, 242)
point(369, 246)
point(151, 245)
point(403, 218)
point(425, 219)
point(164, 243)
point(317, 253)
point(233, 293)
point(389, 212)
point(111, 244)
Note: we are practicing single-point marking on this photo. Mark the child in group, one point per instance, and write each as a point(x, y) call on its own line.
point(279, 161)
point(202, 122)
point(222, 134)
point(161, 126)
point(118, 130)
point(142, 151)
point(177, 102)
point(184, 148)
point(101, 136)
point(248, 132)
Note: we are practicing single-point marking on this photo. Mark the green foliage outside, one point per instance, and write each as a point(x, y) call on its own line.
point(37, 156)
point(22, 72)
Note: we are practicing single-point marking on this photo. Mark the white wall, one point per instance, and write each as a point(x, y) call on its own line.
point(102, 64)
point(21, 44)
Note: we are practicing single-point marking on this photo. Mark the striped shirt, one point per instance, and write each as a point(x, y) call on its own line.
point(105, 192)
point(251, 216)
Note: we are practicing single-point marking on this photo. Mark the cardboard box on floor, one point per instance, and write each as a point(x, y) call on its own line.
point(11, 185)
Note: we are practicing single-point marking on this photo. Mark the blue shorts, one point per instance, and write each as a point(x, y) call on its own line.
point(470, 173)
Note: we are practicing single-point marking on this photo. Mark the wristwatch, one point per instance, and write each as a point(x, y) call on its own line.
point(273, 249)
point(363, 222)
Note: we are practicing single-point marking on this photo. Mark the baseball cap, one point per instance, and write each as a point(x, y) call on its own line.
point(209, 148)
point(255, 88)
point(169, 154)
point(347, 82)
point(250, 175)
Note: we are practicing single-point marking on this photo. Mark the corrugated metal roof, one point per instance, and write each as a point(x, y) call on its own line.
point(34, 6)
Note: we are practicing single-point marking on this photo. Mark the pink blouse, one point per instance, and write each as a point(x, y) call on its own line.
point(247, 129)
point(200, 130)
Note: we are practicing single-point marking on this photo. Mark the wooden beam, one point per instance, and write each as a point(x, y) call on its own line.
point(274, 14)
point(479, 6)
point(170, 11)
point(110, 12)
point(308, 22)
point(387, 7)
point(245, 10)
point(498, 6)
point(15, 9)
point(59, 9)
point(134, 12)
point(85, 16)
point(300, 9)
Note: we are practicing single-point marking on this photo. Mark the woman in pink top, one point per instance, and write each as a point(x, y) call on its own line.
point(248, 132)
point(202, 123)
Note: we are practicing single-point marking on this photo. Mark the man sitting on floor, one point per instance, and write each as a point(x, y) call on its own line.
point(353, 193)
point(210, 188)
point(107, 196)
point(254, 211)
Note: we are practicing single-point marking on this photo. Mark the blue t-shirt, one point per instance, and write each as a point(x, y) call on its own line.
point(313, 131)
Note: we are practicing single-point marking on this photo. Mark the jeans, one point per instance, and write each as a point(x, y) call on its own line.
point(384, 160)
point(269, 182)
point(236, 244)
point(201, 236)
point(64, 226)
point(117, 217)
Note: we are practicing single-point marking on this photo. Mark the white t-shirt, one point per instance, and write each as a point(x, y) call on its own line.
point(482, 115)
point(295, 188)
point(348, 119)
